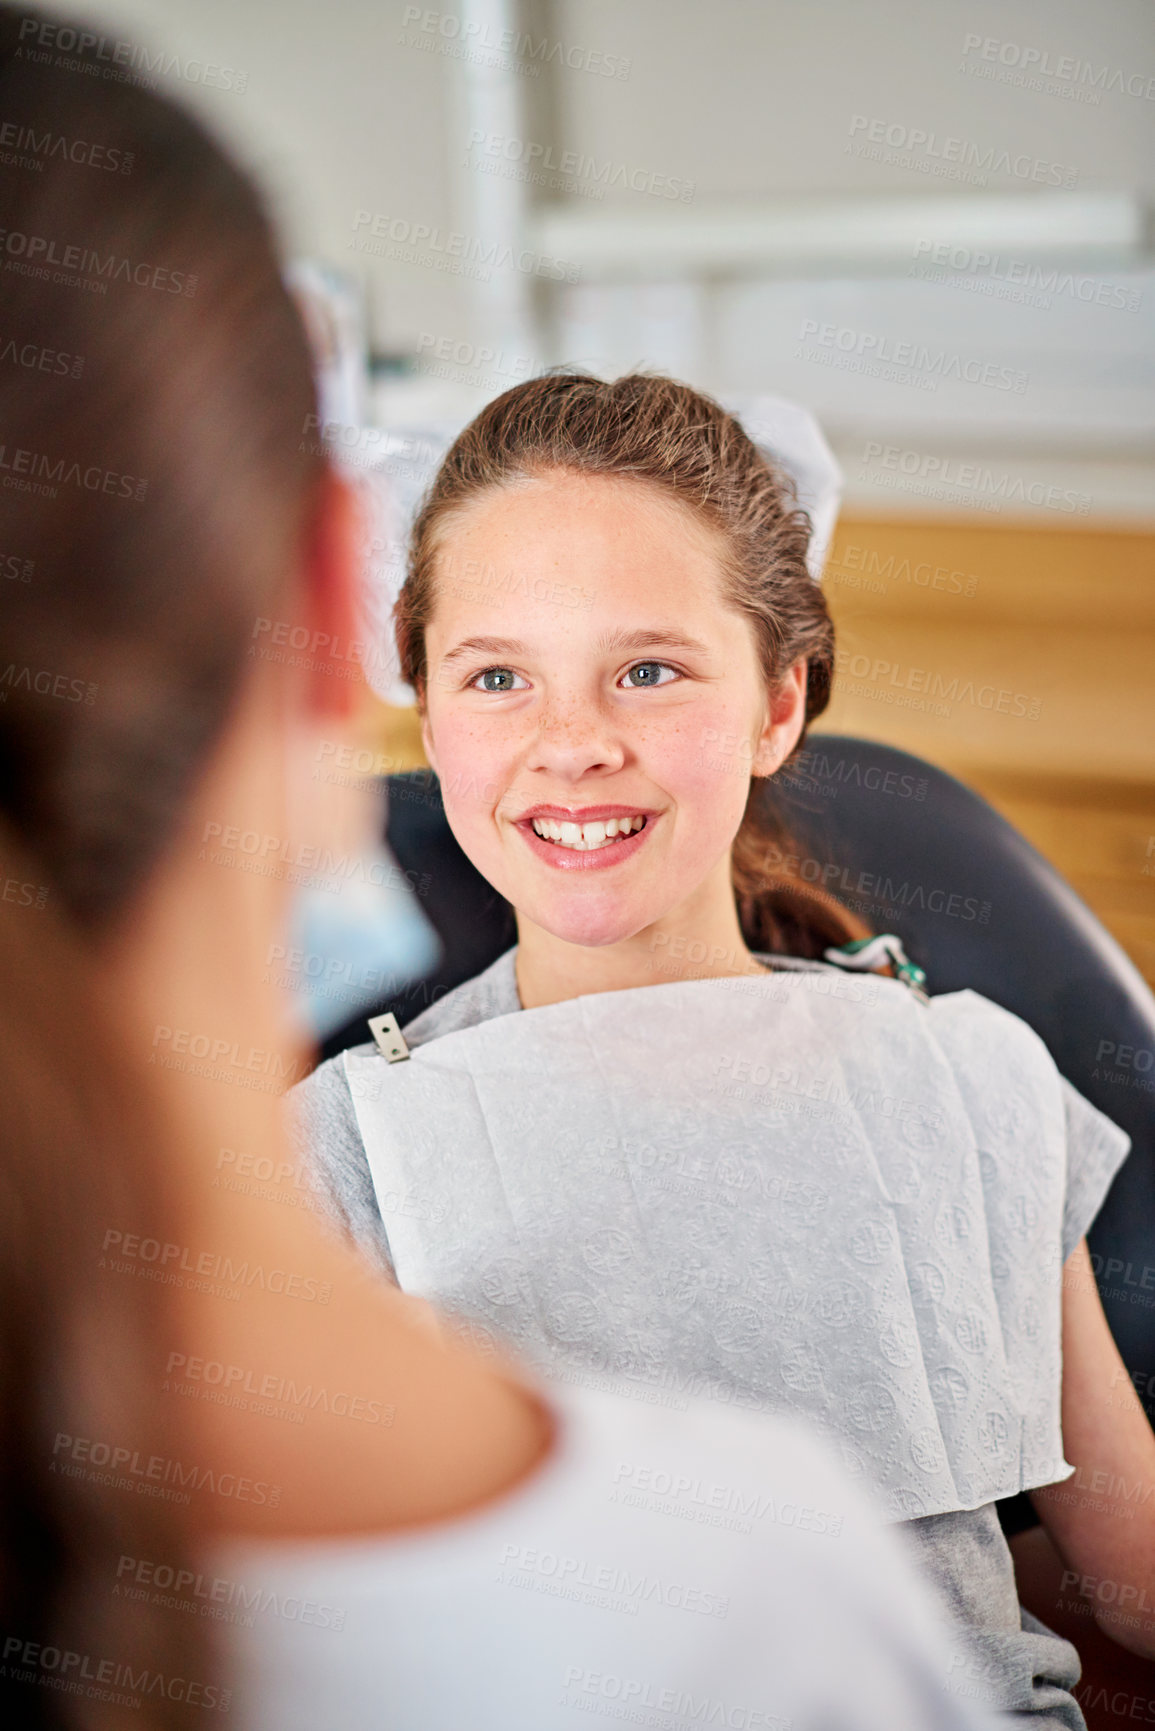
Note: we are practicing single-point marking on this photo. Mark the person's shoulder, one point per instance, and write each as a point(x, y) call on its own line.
point(490, 993)
point(493, 992)
point(658, 1451)
point(969, 1017)
point(842, 985)
point(1008, 1081)
point(326, 1089)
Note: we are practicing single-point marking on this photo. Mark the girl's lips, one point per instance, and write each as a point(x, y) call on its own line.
point(578, 859)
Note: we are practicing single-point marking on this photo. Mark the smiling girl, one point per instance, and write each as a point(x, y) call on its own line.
point(612, 632)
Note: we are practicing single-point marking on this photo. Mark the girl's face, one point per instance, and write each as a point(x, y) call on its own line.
point(594, 709)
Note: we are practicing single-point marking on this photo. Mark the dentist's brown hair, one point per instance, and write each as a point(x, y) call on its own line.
point(669, 436)
point(156, 492)
point(160, 486)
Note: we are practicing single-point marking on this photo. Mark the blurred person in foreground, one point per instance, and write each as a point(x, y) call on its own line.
point(240, 1471)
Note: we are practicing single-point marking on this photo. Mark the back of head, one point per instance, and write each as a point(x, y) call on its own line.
point(154, 490)
point(154, 382)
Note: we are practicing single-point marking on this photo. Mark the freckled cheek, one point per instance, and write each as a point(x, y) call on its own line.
point(477, 769)
point(706, 764)
point(715, 803)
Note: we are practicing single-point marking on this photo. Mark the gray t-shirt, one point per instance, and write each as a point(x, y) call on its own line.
point(1004, 1652)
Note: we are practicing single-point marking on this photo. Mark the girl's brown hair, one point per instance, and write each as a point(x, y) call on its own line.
point(672, 437)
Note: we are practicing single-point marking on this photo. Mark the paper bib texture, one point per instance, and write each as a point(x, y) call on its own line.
point(802, 1193)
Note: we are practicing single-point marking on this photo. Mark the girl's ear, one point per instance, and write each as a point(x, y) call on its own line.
point(426, 732)
point(785, 719)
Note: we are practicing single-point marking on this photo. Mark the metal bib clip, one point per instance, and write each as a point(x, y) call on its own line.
point(390, 1040)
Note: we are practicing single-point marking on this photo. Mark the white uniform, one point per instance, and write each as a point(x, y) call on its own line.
point(672, 1570)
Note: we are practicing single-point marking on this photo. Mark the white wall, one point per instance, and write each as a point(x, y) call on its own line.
point(335, 117)
point(744, 98)
point(352, 105)
point(754, 97)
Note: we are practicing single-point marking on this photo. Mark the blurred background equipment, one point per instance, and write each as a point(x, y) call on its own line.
point(931, 226)
point(359, 933)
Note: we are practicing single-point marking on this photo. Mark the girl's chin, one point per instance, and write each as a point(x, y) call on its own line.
point(590, 928)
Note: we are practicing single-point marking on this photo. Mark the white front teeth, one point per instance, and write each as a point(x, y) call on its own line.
point(585, 837)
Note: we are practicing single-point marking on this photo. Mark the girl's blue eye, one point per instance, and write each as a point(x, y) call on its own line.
point(649, 672)
point(495, 679)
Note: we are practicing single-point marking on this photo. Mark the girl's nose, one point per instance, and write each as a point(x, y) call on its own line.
point(574, 738)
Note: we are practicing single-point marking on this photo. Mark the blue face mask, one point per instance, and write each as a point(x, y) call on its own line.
point(353, 951)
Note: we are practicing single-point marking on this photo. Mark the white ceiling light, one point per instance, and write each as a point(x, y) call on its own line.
point(802, 236)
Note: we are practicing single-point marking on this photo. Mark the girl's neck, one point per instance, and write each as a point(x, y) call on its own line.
point(550, 971)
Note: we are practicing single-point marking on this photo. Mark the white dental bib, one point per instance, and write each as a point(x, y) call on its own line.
point(802, 1192)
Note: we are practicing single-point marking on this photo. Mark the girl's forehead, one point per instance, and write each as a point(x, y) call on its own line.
point(589, 498)
point(585, 524)
point(568, 560)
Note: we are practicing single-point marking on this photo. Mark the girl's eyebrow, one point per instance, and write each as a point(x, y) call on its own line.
point(665, 637)
point(483, 646)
